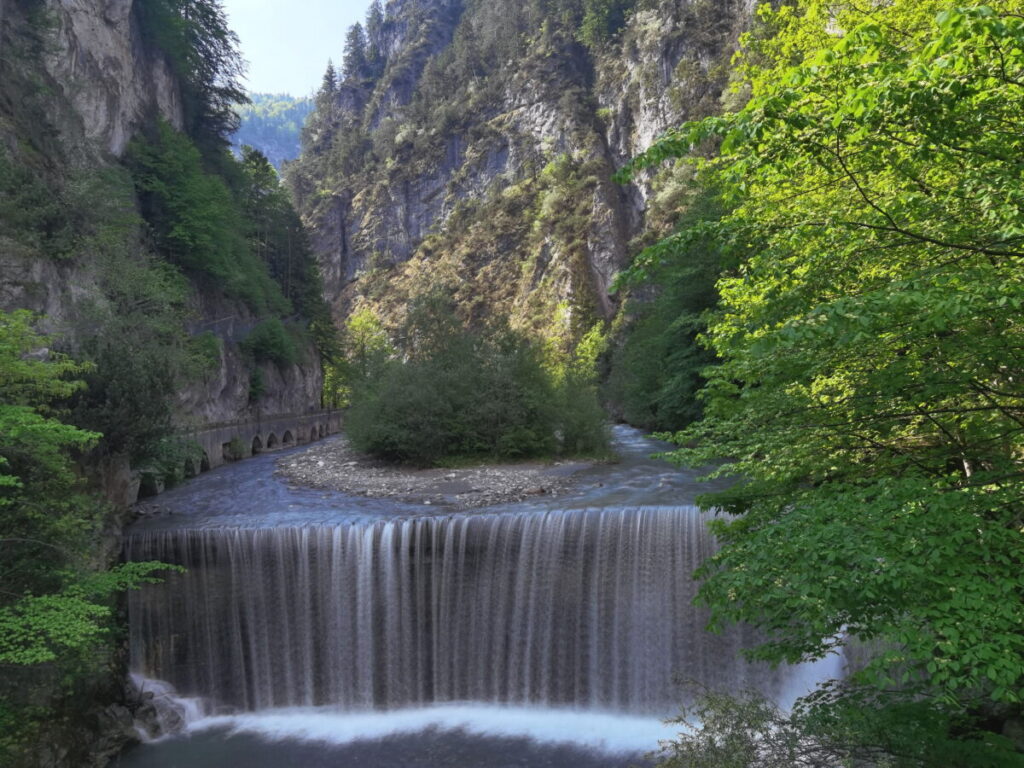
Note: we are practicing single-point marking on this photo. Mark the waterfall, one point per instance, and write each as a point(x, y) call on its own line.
point(583, 608)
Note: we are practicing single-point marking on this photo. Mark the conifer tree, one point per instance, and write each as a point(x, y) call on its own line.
point(354, 63)
point(374, 38)
point(330, 82)
point(374, 23)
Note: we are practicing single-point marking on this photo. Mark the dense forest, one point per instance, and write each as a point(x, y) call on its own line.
point(273, 123)
point(788, 242)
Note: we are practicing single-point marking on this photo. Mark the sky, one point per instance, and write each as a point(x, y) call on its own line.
point(288, 42)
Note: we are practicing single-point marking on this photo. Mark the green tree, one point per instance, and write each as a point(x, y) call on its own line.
point(277, 236)
point(602, 19)
point(329, 86)
point(54, 605)
point(374, 39)
point(657, 366)
point(196, 218)
point(869, 400)
point(457, 392)
point(203, 52)
point(354, 63)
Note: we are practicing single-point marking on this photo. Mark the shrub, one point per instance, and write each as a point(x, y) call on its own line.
point(271, 342)
point(462, 393)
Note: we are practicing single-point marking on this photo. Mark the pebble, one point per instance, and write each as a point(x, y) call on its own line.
point(335, 466)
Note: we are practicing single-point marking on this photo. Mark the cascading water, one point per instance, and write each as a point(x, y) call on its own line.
point(587, 608)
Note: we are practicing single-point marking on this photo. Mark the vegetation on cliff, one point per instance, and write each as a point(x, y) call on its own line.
point(144, 241)
point(473, 143)
point(868, 398)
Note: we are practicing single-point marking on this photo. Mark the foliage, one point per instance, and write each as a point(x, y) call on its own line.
point(279, 240)
point(602, 19)
point(54, 606)
point(239, 230)
point(354, 63)
point(196, 219)
point(270, 341)
point(462, 393)
point(202, 51)
point(657, 368)
point(273, 124)
point(842, 726)
point(868, 400)
point(39, 629)
point(32, 212)
point(206, 349)
point(133, 330)
point(365, 352)
point(35, 443)
point(257, 387)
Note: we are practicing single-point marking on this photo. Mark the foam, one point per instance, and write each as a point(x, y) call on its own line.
point(600, 731)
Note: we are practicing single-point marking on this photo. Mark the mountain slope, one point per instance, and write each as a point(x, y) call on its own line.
point(473, 148)
point(272, 123)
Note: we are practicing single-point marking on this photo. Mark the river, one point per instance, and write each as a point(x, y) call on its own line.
point(318, 629)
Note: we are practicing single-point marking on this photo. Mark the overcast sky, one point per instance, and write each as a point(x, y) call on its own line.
point(288, 42)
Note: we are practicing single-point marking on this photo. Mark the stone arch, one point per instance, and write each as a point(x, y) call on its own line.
point(287, 439)
point(150, 484)
point(204, 462)
point(323, 430)
point(271, 441)
point(257, 445)
point(314, 434)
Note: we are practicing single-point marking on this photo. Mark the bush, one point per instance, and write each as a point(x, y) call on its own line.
point(840, 724)
point(271, 342)
point(460, 393)
point(196, 220)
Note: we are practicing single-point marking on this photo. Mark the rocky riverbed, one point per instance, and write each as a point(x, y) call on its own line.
point(335, 465)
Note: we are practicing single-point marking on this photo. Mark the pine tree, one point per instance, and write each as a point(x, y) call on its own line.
point(355, 62)
point(375, 23)
point(374, 38)
point(330, 83)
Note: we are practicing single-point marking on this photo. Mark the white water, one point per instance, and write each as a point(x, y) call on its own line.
point(565, 623)
point(608, 732)
point(174, 714)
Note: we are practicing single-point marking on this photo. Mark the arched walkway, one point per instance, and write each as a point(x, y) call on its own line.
point(257, 445)
point(287, 439)
point(271, 442)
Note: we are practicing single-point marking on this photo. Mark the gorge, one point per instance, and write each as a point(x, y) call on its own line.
point(783, 237)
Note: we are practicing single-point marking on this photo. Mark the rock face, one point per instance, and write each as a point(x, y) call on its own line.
point(101, 84)
point(478, 154)
point(77, 81)
point(105, 72)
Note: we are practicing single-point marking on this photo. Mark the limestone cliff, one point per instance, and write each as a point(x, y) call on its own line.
point(477, 153)
point(79, 80)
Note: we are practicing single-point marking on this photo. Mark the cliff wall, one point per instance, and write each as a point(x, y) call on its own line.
point(80, 80)
point(478, 155)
